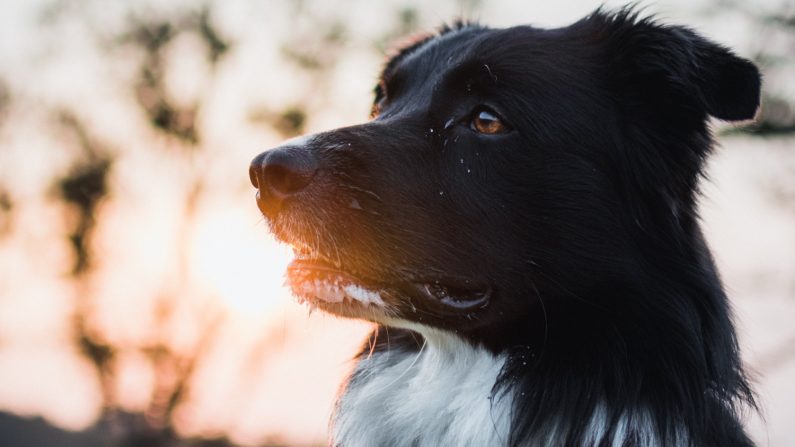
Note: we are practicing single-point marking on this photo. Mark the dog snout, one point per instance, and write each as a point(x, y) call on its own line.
point(281, 173)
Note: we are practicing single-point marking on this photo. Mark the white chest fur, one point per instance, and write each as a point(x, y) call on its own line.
point(439, 396)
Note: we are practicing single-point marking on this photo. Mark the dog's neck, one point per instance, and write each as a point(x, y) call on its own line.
point(439, 395)
point(449, 392)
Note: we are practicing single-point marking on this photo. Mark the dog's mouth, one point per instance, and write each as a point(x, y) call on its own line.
point(317, 280)
point(330, 284)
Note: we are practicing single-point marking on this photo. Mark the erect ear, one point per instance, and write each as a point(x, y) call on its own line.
point(674, 68)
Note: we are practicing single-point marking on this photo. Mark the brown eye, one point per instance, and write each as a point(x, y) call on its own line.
point(487, 122)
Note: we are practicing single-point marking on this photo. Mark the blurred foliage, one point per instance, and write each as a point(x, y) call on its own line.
point(6, 212)
point(162, 113)
point(776, 117)
point(313, 49)
point(318, 48)
point(6, 205)
point(82, 189)
point(288, 123)
point(153, 37)
point(5, 100)
point(407, 23)
point(291, 121)
point(173, 370)
point(216, 45)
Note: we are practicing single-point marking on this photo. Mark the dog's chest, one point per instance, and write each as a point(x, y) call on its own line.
point(439, 396)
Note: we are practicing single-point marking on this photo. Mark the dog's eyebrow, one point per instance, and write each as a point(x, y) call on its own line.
point(403, 51)
point(410, 46)
point(390, 68)
point(473, 75)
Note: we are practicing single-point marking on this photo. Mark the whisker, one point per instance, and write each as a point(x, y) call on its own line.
point(413, 362)
point(363, 191)
point(373, 341)
point(546, 320)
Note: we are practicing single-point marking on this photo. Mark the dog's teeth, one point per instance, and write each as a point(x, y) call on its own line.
point(335, 290)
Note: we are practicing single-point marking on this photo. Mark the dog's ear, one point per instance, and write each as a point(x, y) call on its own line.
point(666, 81)
point(728, 85)
point(673, 68)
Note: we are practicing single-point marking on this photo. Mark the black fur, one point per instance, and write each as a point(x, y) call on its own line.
point(580, 223)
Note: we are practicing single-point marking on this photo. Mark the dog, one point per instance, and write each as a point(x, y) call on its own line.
point(518, 217)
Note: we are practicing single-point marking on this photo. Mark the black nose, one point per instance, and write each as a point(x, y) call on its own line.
point(280, 173)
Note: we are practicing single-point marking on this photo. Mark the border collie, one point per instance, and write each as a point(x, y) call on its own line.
point(519, 219)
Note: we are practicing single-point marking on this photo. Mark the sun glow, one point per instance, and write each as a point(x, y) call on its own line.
point(234, 254)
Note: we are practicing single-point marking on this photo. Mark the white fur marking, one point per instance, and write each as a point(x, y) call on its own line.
point(442, 396)
point(439, 396)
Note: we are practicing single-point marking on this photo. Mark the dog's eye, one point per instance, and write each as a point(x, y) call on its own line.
point(487, 122)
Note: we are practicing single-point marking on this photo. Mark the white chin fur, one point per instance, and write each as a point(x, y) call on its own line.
point(334, 292)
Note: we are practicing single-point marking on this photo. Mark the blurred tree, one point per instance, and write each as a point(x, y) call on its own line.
point(288, 123)
point(6, 204)
point(84, 187)
point(407, 23)
point(5, 100)
point(314, 50)
point(165, 116)
point(776, 118)
point(216, 45)
point(153, 36)
point(6, 209)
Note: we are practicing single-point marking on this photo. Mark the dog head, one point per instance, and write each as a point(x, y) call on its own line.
point(508, 174)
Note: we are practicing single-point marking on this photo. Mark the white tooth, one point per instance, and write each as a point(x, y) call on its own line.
point(364, 296)
point(335, 295)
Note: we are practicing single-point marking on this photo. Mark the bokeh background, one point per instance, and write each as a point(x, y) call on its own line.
point(141, 298)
